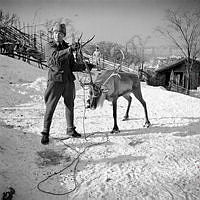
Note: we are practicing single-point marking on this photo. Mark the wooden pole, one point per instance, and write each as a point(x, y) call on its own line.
point(24, 29)
point(41, 40)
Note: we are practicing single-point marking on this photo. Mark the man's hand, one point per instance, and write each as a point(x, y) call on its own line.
point(90, 66)
point(74, 47)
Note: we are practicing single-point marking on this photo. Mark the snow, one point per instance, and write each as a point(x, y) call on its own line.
point(160, 162)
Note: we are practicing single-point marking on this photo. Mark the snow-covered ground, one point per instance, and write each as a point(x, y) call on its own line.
point(160, 162)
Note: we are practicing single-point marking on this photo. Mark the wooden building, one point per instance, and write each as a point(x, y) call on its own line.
point(175, 74)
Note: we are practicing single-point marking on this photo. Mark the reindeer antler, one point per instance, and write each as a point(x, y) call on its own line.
point(80, 55)
point(88, 41)
point(80, 38)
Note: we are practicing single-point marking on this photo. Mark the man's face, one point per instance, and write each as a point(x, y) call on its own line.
point(58, 36)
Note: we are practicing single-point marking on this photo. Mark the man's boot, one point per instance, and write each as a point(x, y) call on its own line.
point(45, 138)
point(72, 132)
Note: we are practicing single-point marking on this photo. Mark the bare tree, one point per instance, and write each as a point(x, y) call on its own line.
point(183, 30)
point(136, 46)
point(7, 19)
point(117, 55)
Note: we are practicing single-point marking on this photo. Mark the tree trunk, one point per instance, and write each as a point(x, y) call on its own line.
point(140, 70)
point(188, 66)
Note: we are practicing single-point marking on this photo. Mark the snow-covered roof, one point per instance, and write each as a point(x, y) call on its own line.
point(171, 65)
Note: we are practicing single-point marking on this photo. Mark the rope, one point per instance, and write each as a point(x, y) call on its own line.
point(75, 160)
point(83, 85)
point(84, 114)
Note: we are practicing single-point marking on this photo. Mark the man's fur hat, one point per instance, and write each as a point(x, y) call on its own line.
point(60, 28)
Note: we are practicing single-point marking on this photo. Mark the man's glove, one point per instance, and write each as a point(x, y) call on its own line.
point(90, 66)
point(74, 47)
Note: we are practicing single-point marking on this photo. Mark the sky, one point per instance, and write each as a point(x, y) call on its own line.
point(108, 20)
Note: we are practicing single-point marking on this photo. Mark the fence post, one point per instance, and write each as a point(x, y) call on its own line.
point(41, 41)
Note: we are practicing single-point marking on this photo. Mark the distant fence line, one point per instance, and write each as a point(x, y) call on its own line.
point(23, 43)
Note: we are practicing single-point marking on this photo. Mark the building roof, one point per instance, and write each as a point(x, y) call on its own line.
point(172, 65)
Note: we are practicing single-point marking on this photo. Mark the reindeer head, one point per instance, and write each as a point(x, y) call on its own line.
point(95, 94)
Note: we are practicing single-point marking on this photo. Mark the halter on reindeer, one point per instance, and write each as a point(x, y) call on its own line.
point(110, 85)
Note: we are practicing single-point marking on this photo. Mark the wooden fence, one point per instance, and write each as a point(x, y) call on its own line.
point(23, 43)
point(177, 88)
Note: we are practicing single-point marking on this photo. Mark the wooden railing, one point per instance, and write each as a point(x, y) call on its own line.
point(177, 88)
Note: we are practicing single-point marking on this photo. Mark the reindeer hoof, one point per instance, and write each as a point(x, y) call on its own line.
point(115, 131)
point(147, 124)
point(125, 119)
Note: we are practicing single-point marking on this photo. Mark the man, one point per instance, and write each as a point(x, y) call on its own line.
point(96, 57)
point(60, 61)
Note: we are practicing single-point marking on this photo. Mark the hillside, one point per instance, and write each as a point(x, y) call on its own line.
point(161, 162)
point(12, 72)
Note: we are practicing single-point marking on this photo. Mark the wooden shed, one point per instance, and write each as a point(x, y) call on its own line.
point(175, 73)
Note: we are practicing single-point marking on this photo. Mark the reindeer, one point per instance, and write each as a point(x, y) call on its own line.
point(110, 85)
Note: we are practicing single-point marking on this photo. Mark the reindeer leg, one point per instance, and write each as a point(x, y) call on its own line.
point(138, 95)
point(115, 128)
point(129, 99)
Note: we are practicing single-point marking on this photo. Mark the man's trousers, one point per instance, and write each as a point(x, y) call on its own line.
point(52, 95)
